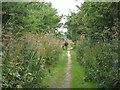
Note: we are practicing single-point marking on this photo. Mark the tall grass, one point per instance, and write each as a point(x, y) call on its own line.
point(26, 57)
point(57, 75)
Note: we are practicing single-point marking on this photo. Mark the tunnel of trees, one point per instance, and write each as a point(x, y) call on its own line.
point(31, 43)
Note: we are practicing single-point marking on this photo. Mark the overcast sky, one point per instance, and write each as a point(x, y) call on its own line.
point(64, 7)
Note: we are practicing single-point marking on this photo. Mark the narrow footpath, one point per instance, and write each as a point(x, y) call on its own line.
point(68, 73)
point(67, 81)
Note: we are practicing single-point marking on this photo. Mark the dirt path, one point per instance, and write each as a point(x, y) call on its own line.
point(60, 76)
point(67, 80)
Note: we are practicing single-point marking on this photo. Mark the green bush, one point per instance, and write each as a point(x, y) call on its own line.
point(29, 47)
point(25, 59)
point(101, 62)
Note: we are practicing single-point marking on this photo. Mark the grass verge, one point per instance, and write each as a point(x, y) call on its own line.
point(78, 74)
point(57, 75)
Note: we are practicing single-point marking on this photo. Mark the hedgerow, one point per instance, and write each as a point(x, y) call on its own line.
point(29, 43)
point(95, 31)
point(25, 60)
point(101, 62)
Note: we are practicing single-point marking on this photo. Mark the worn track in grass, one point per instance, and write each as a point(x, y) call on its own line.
point(67, 80)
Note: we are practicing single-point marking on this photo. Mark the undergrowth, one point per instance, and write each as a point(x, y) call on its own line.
point(57, 75)
point(26, 58)
point(79, 74)
point(100, 61)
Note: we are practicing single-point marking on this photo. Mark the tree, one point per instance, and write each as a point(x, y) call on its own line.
point(36, 17)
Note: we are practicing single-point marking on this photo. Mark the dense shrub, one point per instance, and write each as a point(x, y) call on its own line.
point(29, 44)
point(95, 28)
point(101, 62)
point(26, 58)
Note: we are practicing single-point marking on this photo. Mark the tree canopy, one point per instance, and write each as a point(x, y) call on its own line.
point(98, 20)
point(34, 17)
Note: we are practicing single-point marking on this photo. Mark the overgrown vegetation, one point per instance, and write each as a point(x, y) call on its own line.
point(58, 73)
point(94, 29)
point(79, 75)
point(30, 45)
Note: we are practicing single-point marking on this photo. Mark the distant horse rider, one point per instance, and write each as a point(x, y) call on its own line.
point(65, 45)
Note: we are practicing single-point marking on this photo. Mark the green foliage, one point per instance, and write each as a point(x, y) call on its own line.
point(25, 60)
point(58, 73)
point(95, 32)
point(98, 21)
point(79, 74)
point(101, 62)
point(34, 17)
point(30, 46)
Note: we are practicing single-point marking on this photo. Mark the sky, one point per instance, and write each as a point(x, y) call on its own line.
point(64, 7)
